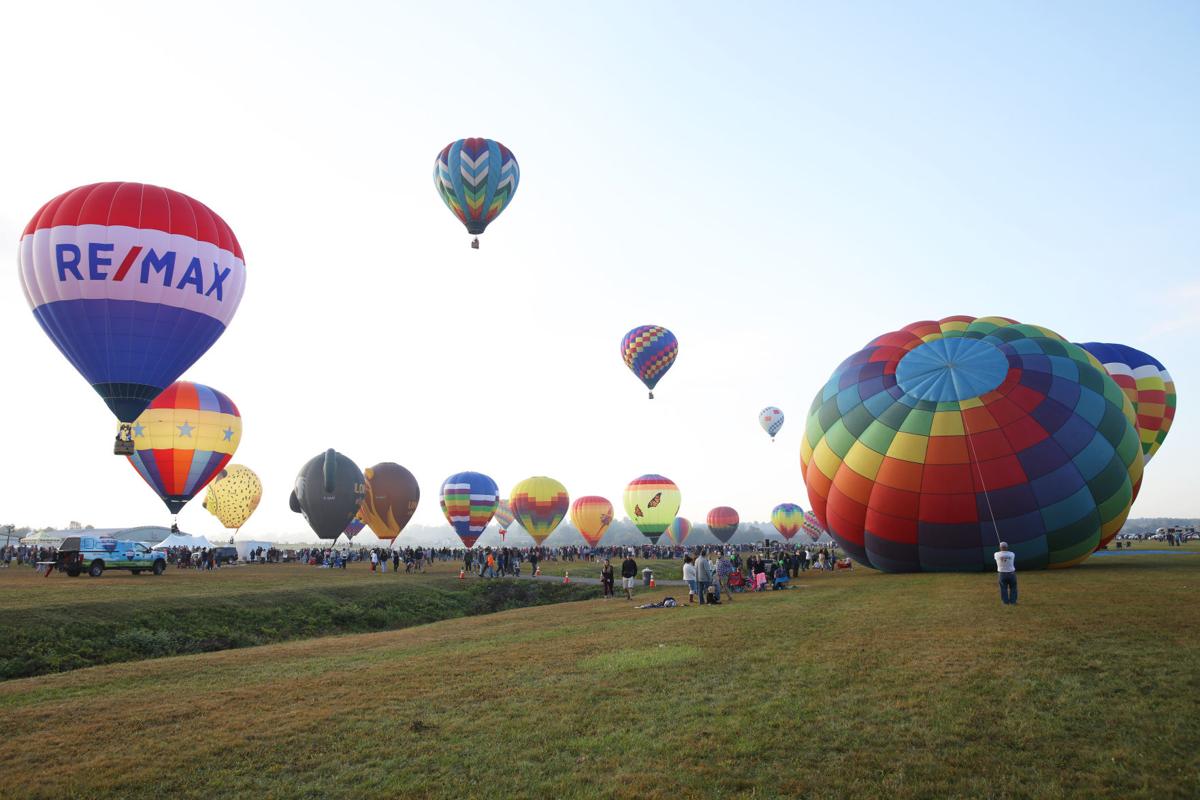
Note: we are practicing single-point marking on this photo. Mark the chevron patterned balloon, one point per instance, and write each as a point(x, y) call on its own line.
point(477, 179)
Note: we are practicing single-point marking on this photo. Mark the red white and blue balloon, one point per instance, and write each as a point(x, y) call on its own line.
point(771, 420)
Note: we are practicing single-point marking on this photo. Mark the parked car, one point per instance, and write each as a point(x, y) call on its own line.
point(225, 555)
point(94, 554)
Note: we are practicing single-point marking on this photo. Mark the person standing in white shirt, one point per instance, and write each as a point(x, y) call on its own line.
point(1006, 566)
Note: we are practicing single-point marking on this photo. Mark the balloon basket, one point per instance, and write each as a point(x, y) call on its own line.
point(123, 444)
point(475, 243)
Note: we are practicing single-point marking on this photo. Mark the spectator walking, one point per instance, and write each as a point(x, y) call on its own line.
point(628, 573)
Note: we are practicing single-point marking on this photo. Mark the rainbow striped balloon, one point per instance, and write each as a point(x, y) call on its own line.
point(1148, 386)
point(678, 530)
point(469, 501)
point(652, 502)
point(787, 519)
point(504, 517)
point(539, 504)
point(183, 439)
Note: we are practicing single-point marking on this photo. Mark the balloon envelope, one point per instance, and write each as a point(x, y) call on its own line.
point(353, 527)
point(723, 521)
point(392, 497)
point(652, 501)
point(787, 519)
point(1148, 386)
point(649, 351)
point(233, 495)
point(679, 529)
point(504, 516)
point(476, 179)
point(329, 491)
point(183, 439)
point(592, 515)
point(937, 441)
point(132, 283)
point(771, 420)
point(812, 526)
point(539, 504)
point(469, 500)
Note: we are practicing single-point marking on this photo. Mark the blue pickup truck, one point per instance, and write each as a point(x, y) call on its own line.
point(94, 554)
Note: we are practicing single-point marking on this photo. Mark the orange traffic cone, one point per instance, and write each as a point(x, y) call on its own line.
point(566, 577)
point(651, 580)
point(462, 574)
point(537, 573)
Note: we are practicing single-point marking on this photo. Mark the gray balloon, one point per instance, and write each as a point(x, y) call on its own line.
point(329, 490)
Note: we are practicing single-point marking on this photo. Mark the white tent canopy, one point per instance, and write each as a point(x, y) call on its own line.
point(183, 540)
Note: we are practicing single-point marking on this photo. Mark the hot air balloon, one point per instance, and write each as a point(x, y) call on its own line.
point(539, 504)
point(787, 519)
point(469, 501)
point(185, 437)
point(649, 350)
point(329, 492)
point(504, 517)
point(723, 522)
point(392, 496)
point(652, 502)
point(1148, 386)
point(812, 526)
point(678, 530)
point(233, 495)
point(132, 283)
point(353, 527)
point(476, 179)
point(935, 442)
point(771, 420)
point(592, 515)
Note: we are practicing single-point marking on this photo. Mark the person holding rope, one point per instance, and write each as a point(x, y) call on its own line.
point(1006, 566)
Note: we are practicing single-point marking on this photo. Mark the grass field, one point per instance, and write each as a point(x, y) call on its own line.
point(55, 623)
point(857, 684)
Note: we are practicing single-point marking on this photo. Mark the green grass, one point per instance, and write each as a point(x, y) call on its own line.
point(60, 623)
point(855, 685)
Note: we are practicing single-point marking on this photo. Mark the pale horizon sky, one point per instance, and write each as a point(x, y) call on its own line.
point(777, 183)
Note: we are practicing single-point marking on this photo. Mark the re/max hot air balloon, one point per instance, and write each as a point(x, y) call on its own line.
point(592, 515)
point(329, 492)
point(1148, 386)
point(678, 530)
point(787, 519)
point(652, 502)
point(132, 283)
point(183, 439)
point(723, 521)
point(392, 497)
point(812, 526)
point(476, 179)
point(935, 442)
point(504, 517)
point(233, 495)
point(649, 351)
point(771, 420)
point(539, 504)
point(469, 501)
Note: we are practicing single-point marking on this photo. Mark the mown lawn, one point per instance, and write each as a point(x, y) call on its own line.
point(855, 685)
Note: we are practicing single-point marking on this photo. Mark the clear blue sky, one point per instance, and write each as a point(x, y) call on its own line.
point(777, 183)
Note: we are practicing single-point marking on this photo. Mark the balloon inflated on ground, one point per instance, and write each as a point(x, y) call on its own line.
point(183, 439)
point(723, 521)
point(476, 179)
point(233, 495)
point(539, 504)
point(787, 519)
point(1148, 386)
point(652, 502)
point(329, 491)
point(132, 283)
point(935, 442)
point(592, 515)
point(469, 500)
point(391, 499)
point(649, 351)
point(678, 530)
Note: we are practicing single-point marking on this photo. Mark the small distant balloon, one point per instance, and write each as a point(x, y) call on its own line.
point(771, 420)
point(233, 495)
point(723, 521)
point(787, 519)
point(592, 515)
point(504, 517)
point(678, 530)
point(476, 179)
point(652, 502)
point(649, 351)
